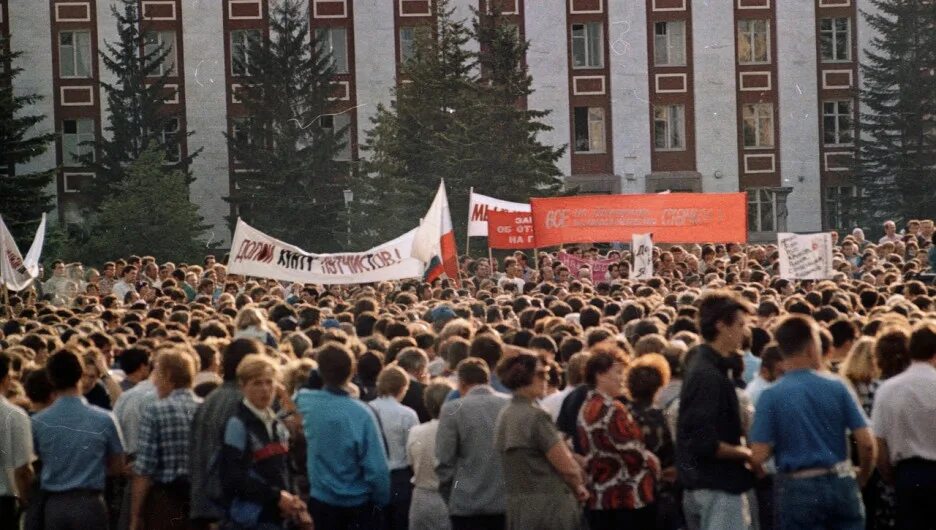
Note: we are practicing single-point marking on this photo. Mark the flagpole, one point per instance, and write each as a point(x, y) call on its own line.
point(491, 260)
point(468, 232)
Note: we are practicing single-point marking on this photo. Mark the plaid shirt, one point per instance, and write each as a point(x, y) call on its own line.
point(163, 443)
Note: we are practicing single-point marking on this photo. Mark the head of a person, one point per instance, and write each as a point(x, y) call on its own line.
point(128, 273)
point(65, 368)
point(722, 319)
point(6, 364)
point(892, 350)
point(646, 376)
point(890, 228)
point(392, 382)
point(250, 317)
point(605, 370)
point(257, 376)
point(771, 363)
point(336, 364)
point(797, 336)
point(174, 369)
point(414, 361)
point(923, 341)
point(234, 353)
point(472, 372)
point(524, 373)
point(434, 396)
point(859, 366)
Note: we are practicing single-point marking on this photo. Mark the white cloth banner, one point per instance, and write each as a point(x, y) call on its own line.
point(478, 206)
point(18, 272)
point(254, 253)
point(805, 257)
point(643, 256)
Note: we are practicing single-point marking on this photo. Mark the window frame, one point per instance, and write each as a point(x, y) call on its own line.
point(750, 36)
point(837, 116)
point(171, 58)
point(166, 135)
point(589, 120)
point(757, 129)
point(756, 204)
point(669, 125)
point(834, 35)
point(586, 38)
point(325, 36)
point(669, 46)
point(244, 46)
point(80, 138)
point(74, 54)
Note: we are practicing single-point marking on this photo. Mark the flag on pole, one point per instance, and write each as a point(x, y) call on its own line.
point(435, 240)
point(16, 272)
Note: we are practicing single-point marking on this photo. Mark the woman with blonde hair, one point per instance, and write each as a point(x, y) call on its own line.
point(861, 371)
point(252, 323)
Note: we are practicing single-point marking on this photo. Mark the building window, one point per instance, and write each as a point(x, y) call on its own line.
point(762, 210)
point(155, 44)
point(335, 42)
point(75, 54)
point(170, 141)
point(669, 127)
point(589, 130)
point(840, 207)
point(244, 43)
point(837, 122)
point(669, 43)
point(754, 41)
point(75, 137)
point(835, 39)
point(241, 134)
point(758, 125)
point(587, 47)
point(408, 43)
point(339, 124)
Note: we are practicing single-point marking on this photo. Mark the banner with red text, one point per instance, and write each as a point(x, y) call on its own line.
point(671, 218)
point(510, 230)
point(598, 267)
point(479, 206)
point(254, 253)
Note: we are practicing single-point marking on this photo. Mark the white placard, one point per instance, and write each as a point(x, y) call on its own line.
point(643, 256)
point(18, 272)
point(805, 257)
point(478, 206)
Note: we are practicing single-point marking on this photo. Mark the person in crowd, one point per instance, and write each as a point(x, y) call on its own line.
point(16, 452)
point(135, 363)
point(802, 421)
point(771, 369)
point(349, 476)
point(544, 484)
point(861, 372)
point(626, 498)
point(415, 363)
point(395, 421)
point(712, 462)
point(73, 487)
point(126, 284)
point(465, 451)
point(253, 457)
point(427, 510)
point(904, 417)
point(575, 376)
point(161, 487)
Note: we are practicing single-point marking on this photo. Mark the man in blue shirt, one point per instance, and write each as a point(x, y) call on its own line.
point(803, 420)
point(349, 479)
point(78, 445)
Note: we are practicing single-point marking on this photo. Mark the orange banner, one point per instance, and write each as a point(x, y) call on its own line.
point(671, 218)
point(510, 230)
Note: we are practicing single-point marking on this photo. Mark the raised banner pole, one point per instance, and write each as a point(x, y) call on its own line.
point(468, 231)
point(491, 260)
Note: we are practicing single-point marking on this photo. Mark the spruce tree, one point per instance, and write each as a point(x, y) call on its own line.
point(898, 131)
point(23, 196)
point(135, 104)
point(293, 189)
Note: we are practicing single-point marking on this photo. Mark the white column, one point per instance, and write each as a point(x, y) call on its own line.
point(630, 98)
point(206, 112)
point(716, 122)
point(374, 60)
point(799, 126)
point(548, 62)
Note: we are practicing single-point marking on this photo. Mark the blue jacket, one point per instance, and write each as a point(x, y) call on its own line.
point(347, 461)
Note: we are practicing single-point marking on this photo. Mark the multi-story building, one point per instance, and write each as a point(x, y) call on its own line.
point(649, 95)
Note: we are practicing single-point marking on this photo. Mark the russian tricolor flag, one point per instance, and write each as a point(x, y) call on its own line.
point(434, 244)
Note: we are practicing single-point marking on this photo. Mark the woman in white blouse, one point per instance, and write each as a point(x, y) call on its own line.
point(427, 510)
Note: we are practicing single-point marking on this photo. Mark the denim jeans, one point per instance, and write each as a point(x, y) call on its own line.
point(824, 502)
point(716, 510)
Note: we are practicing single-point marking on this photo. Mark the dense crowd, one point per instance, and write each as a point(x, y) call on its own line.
point(714, 395)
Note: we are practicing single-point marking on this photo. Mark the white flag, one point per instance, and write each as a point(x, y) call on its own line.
point(805, 257)
point(478, 206)
point(643, 256)
point(16, 272)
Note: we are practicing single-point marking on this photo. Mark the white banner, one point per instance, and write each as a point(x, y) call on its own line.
point(254, 253)
point(478, 207)
point(643, 256)
point(16, 272)
point(805, 257)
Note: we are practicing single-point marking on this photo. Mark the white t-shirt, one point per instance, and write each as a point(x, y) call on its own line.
point(16, 444)
point(517, 281)
point(904, 413)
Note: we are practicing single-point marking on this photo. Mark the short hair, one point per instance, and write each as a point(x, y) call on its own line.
point(600, 360)
point(488, 347)
point(38, 387)
point(794, 333)
point(518, 371)
point(652, 343)
point(253, 366)
point(392, 381)
point(843, 331)
point(575, 369)
point(65, 369)
point(434, 396)
point(177, 366)
point(6, 361)
point(473, 371)
point(412, 359)
point(235, 353)
point(923, 341)
point(647, 375)
point(132, 359)
point(336, 364)
point(719, 306)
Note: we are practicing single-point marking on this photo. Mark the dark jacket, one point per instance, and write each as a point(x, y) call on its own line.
point(414, 400)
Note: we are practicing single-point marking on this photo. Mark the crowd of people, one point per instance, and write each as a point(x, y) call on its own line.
point(714, 395)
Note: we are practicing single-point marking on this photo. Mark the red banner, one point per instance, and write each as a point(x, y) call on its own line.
point(510, 230)
point(598, 267)
point(672, 218)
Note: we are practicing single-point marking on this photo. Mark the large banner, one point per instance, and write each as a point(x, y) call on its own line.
point(254, 253)
point(805, 257)
point(17, 272)
point(478, 208)
point(671, 218)
point(510, 230)
point(598, 267)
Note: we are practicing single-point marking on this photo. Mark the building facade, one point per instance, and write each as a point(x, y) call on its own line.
point(648, 95)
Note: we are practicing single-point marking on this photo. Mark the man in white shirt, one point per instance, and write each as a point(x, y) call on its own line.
point(126, 283)
point(890, 233)
point(904, 419)
point(16, 450)
point(512, 272)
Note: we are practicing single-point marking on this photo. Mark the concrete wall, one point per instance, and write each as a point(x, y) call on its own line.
point(375, 60)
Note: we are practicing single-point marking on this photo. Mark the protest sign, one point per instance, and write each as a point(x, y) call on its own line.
point(672, 218)
point(254, 253)
point(598, 267)
point(510, 230)
point(478, 208)
point(643, 256)
point(17, 272)
point(805, 257)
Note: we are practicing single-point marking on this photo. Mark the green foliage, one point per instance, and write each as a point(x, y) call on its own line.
point(449, 122)
point(898, 131)
point(23, 196)
point(293, 190)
